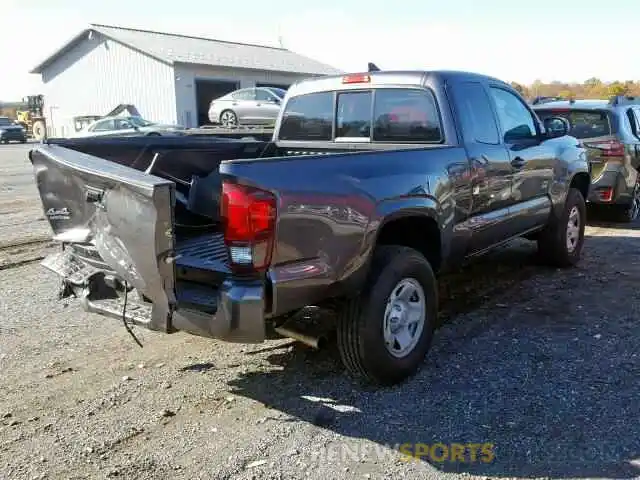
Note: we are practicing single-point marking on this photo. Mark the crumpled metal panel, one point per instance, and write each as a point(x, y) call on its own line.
point(126, 214)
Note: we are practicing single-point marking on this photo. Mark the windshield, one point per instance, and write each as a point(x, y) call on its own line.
point(4, 121)
point(139, 122)
point(584, 123)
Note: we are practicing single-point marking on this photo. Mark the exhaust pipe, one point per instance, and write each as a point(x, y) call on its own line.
point(313, 342)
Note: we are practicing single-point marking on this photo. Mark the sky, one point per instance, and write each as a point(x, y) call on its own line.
point(516, 41)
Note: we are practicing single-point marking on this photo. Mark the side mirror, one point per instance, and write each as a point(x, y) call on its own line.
point(556, 127)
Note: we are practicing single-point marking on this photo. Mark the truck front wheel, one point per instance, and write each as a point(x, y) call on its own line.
point(560, 243)
point(385, 333)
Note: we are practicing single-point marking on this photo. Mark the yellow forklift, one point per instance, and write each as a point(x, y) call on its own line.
point(32, 119)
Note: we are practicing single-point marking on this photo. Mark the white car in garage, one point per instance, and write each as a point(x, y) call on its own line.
point(247, 106)
point(127, 126)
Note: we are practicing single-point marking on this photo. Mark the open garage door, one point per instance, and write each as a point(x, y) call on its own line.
point(207, 90)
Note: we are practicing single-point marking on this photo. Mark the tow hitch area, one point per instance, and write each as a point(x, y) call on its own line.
point(88, 283)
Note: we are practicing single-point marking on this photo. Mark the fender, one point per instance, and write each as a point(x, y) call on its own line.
point(393, 209)
point(573, 162)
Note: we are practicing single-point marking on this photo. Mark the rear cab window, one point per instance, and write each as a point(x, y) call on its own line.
point(382, 115)
point(584, 123)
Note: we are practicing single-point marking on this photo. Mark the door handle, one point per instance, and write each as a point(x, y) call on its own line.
point(518, 162)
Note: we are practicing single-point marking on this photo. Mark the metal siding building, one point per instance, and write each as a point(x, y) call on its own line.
point(169, 78)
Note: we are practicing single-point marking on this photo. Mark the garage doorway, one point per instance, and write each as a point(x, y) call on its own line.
point(207, 90)
point(273, 85)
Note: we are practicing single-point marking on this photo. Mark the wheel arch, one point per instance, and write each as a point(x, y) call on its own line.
point(410, 222)
point(582, 182)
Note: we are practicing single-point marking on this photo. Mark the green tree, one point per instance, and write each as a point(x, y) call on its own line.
point(568, 94)
point(592, 82)
point(591, 88)
point(521, 89)
point(618, 88)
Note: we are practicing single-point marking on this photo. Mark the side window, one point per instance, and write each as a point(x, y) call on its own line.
point(631, 117)
point(516, 120)
point(264, 95)
point(406, 115)
point(104, 126)
point(636, 111)
point(475, 113)
point(122, 124)
point(248, 94)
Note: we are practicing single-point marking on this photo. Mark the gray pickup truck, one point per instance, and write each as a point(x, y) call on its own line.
point(373, 184)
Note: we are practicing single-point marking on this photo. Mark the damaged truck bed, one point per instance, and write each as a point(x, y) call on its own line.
point(125, 229)
point(374, 183)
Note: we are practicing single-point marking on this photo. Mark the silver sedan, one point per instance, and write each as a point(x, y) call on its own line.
point(127, 126)
point(255, 106)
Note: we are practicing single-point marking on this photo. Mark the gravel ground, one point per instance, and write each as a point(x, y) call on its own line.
point(543, 364)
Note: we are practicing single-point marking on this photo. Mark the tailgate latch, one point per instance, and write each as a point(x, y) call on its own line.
point(94, 195)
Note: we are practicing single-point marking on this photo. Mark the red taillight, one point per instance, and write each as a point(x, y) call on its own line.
point(610, 148)
point(356, 78)
point(605, 194)
point(249, 216)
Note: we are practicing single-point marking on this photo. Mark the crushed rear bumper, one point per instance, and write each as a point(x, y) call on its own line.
point(233, 312)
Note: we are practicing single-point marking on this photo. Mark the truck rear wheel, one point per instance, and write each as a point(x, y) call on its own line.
point(385, 333)
point(560, 244)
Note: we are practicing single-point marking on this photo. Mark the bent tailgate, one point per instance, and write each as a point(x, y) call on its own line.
point(126, 214)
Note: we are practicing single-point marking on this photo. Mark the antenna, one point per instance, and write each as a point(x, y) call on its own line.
point(372, 67)
point(280, 38)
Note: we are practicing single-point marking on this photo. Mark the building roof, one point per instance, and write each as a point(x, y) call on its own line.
point(172, 48)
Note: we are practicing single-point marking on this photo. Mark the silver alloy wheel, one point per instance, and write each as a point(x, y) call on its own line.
point(404, 317)
point(573, 229)
point(228, 119)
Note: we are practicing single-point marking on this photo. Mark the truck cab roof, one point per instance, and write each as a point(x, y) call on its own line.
point(382, 78)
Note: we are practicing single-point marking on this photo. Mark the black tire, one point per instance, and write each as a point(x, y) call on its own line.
point(360, 335)
point(552, 242)
point(153, 134)
point(230, 114)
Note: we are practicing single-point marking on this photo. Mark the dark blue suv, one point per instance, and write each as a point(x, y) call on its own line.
point(11, 132)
